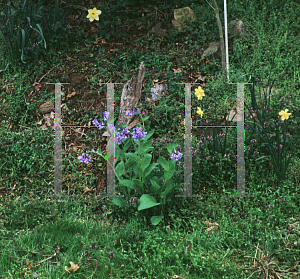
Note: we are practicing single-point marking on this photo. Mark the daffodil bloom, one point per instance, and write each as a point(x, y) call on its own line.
point(199, 93)
point(199, 111)
point(284, 114)
point(93, 14)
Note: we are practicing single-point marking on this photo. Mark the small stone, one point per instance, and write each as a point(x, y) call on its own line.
point(46, 108)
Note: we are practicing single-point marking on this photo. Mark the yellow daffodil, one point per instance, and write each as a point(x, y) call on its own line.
point(284, 114)
point(93, 14)
point(199, 111)
point(199, 93)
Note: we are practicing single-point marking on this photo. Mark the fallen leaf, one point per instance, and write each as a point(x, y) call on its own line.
point(29, 265)
point(37, 86)
point(201, 78)
point(212, 226)
point(71, 95)
point(73, 268)
point(86, 189)
point(5, 86)
point(44, 127)
point(69, 58)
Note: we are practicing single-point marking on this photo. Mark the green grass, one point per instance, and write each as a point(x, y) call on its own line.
point(212, 236)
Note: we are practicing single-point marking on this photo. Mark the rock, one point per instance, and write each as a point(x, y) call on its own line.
point(238, 28)
point(157, 90)
point(182, 16)
point(214, 49)
point(159, 30)
point(46, 107)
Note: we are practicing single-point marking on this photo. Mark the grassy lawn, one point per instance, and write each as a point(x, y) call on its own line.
point(215, 235)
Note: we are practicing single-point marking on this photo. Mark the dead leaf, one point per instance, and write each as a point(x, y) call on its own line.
point(72, 269)
point(71, 95)
point(37, 86)
point(177, 70)
point(5, 86)
point(96, 40)
point(69, 58)
point(86, 189)
point(29, 265)
point(201, 78)
point(212, 226)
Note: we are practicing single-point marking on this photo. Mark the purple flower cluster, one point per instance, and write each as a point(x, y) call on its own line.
point(132, 112)
point(175, 156)
point(85, 159)
point(137, 134)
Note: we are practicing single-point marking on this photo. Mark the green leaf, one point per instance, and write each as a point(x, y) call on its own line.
point(168, 190)
point(261, 158)
point(132, 156)
point(150, 169)
point(128, 183)
point(146, 118)
point(136, 169)
point(155, 185)
point(147, 201)
point(129, 163)
point(171, 147)
point(172, 170)
point(163, 163)
point(119, 153)
point(146, 161)
point(118, 201)
point(156, 219)
point(120, 169)
point(146, 147)
point(127, 144)
point(137, 183)
point(148, 135)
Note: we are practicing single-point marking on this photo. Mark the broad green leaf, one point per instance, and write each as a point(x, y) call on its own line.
point(127, 144)
point(149, 134)
point(163, 163)
point(136, 169)
point(120, 169)
point(119, 154)
point(146, 146)
point(172, 170)
point(156, 219)
point(146, 118)
point(146, 161)
point(132, 156)
point(129, 164)
point(137, 182)
point(155, 185)
point(169, 188)
point(147, 201)
point(118, 201)
point(171, 147)
point(150, 169)
point(128, 183)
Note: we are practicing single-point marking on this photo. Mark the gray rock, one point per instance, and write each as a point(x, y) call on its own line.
point(46, 107)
